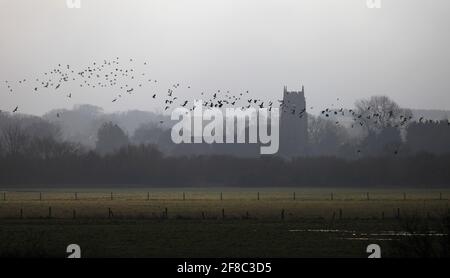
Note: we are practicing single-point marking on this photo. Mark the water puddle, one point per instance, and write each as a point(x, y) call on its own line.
point(380, 236)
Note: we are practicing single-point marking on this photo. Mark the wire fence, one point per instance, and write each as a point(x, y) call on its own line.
point(321, 195)
point(206, 205)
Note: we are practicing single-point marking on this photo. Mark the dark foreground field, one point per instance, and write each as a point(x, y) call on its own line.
point(211, 238)
point(253, 224)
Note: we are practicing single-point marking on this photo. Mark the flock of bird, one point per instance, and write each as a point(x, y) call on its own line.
point(106, 74)
point(125, 77)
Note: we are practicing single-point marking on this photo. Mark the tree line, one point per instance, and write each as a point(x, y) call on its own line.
point(144, 165)
point(33, 152)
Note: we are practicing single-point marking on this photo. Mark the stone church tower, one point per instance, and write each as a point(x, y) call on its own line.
point(293, 124)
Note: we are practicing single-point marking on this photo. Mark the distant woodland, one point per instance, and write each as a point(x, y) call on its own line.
point(83, 147)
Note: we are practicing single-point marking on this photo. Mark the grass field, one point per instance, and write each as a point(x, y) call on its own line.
point(197, 222)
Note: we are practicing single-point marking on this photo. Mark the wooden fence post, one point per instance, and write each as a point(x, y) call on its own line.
point(184, 196)
point(40, 196)
point(111, 195)
point(148, 196)
point(109, 213)
point(294, 196)
point(332, 197)
point(223, 213)
point(49, 212)
point(258, 196)
point(21, 213)
point(166, 213)
point(368, 197)
point(221, 196)
point(76, 196)
point(340, 213)
point(282, 214)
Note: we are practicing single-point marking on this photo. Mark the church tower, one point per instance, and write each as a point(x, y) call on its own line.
point(293, 124)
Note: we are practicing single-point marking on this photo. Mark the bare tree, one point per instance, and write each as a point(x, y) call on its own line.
point(324, 136)
point(14, 139)
point(110, 138)
point(38, 128)
point(48, 147)
point(380, 112)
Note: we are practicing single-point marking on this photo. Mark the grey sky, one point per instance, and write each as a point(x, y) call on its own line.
point(335, 48)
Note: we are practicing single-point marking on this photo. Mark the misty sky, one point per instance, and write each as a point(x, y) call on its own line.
point(337, 49)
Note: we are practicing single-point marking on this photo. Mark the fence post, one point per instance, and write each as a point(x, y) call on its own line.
point(340, 213)
point(258, 196)
point(282, 214)
point(148, 196)
point(398, 212)
point(21, 213)
point(74, 214)
point(166, 214)
point(111, 195)
point(382, 215)
point(294, 195)
point(332, 196)
point(184, 196)
point(247, 215)
point(368, 197)
point(221, 196)
point(4, 196)
point(40, 196)
point(223, 213)
point(49, 212)
point(404, 196)
point(109, 213)
point(440, 196)
point(203, 215)
point(334, 215)
point(76, 196)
